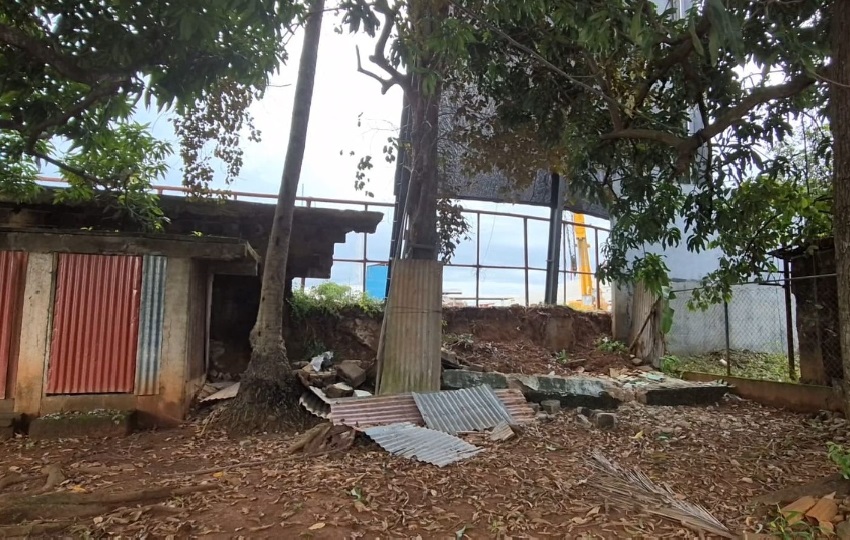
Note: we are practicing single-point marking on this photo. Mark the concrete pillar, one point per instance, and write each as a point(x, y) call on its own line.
point(36, 325)
point(169, 405)
point(620, 320)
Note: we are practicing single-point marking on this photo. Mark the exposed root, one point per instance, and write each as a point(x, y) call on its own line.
point(267, 400)
point(12, 479)
point(75, 505)
point(55, 477)
point(33, 529)
point(834, 483)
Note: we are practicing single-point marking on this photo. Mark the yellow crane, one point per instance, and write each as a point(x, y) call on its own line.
point(588, 297)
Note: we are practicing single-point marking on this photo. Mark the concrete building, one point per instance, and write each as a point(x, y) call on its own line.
point(98, 319)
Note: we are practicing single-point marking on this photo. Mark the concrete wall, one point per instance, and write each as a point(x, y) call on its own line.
point(756, 322)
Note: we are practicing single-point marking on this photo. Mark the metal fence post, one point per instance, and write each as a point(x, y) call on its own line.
point(525, 252)
point(728, 347)
point(789, 320)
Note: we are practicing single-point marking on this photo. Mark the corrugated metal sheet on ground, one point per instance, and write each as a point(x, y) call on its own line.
point(421, 444)
point(382, 410)
point(467, 409)
point(151, 315)
point(95, 324)
point(13, 268)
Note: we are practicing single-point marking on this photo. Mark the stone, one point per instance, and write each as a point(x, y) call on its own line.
point(583, 421)
point(646, 367)
point(573, 391)
point(455, 379)
point(605, 420)
point(351, 372)
point(551, 406)
point(76, 425)
point(543, 417)
point(637, 361)
point(535, 407)
point(842, 530)
point(339, 390)
point(9, 420)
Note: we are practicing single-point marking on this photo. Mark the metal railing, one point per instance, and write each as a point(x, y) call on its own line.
point(478, 266)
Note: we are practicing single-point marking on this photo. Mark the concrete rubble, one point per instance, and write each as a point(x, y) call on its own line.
point(597, 392)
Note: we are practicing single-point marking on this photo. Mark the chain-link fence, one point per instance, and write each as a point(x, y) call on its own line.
point(766, 331)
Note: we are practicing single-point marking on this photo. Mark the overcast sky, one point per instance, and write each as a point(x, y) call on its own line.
point(341, 96)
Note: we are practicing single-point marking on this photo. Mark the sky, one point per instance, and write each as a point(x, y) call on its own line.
point(349, 113)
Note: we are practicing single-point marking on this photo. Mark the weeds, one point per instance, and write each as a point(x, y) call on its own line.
point(748, 364)
point(671, 365)
point(841, 457)
point(464, 341)
point(606, 344)
point(789, 526)
point(562, 357)
point(332, 299)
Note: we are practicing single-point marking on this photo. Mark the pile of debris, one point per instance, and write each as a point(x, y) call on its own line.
point(421, 426)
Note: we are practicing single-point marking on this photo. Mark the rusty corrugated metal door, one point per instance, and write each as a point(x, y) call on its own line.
point(150, 325)
point(13, 267)
point(95, 324)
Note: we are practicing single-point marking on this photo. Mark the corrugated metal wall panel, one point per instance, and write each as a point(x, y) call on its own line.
point(95, 324)
point(413, 335)
point(13, 267)
point(151, 316)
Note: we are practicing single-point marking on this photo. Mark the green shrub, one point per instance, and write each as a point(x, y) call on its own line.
point(332, 299)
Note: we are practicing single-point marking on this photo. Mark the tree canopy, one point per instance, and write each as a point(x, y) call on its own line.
point(664, 116)
point(72, 73)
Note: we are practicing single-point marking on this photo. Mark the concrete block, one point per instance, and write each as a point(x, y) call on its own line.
point(76, 425)
point(551, 406)
point(351, 372)
point(605, 420)
point(573, 392)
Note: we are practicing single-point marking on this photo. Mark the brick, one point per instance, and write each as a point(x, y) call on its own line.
point(351, 372)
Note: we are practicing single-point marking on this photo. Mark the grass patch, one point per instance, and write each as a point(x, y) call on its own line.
point(332, 299)
point(747, 364)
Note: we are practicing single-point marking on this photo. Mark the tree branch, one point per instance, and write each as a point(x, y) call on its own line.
point(686, 146)
point(386, 84)
point(94, 95)
point(45, 53)
point(379, 58)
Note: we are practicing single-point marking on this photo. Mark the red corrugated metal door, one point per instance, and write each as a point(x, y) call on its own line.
point(13, 268)
point(95, 324)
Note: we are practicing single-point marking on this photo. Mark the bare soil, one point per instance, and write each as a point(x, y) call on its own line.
point(531, 487)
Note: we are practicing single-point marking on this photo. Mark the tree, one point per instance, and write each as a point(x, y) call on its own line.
point(610, 87)
point(268, 392)
point(73, 73)
point(415, 61)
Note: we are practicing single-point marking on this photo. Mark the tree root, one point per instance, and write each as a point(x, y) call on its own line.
point(818, 488)
point(13, 478)
point(33, 529)
point(73, 505)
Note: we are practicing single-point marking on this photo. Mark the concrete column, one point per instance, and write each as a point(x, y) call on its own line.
point(36, 325)
point(169, 404)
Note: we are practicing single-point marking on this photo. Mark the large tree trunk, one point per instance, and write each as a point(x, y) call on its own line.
point(409, 357)
point(269, 392)
point(840, 125)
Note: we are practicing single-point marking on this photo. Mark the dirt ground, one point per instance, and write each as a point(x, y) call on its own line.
point(535, 486)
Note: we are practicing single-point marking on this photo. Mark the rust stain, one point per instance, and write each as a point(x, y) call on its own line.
point(95, 324)
point(399, 408)
point(13, 267)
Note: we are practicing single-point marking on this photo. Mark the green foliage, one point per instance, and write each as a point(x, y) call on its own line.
point(607, 344)
point(839, 455)
point(781, 527)
point(610, 93)
point(74, 72)
point(671, 365)
point(747, 364)
point(562, 357)
point(332, 299)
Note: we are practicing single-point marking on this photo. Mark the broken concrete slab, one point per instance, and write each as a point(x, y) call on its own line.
point(455, 379)
point(676, 395)
point(75, 425)
point(351, 372)
point(572, 391)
